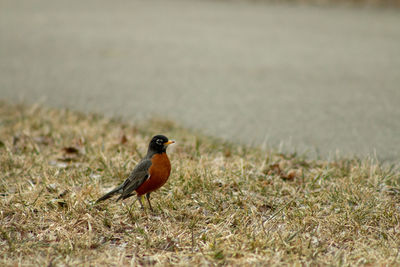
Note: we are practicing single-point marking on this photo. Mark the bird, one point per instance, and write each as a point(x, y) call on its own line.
point(149, 174)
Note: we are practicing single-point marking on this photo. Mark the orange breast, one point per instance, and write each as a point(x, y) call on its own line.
point(159, 172)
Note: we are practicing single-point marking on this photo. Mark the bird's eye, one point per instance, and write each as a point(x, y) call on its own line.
point(159, 142)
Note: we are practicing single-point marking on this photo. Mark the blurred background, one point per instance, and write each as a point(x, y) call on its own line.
point(319, 77)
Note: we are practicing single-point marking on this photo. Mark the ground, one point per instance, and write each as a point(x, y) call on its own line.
point(224, 204)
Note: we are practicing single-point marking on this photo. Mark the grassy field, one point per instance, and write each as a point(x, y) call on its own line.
point(224, 204)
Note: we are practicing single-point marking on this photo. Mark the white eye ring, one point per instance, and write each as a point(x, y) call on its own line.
point(159, 142)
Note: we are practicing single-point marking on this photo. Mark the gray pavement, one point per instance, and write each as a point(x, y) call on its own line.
point(306, 78)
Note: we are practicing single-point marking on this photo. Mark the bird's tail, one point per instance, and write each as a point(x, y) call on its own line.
point(111, 193)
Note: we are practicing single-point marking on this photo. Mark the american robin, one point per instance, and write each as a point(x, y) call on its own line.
point(149, 174)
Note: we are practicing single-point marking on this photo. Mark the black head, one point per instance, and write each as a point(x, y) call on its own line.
point(159, 144)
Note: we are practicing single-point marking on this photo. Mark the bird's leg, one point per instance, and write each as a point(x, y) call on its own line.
point(148, 200)
point(140, 201)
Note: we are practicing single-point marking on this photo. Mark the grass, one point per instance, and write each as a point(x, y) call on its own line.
point(224, 204)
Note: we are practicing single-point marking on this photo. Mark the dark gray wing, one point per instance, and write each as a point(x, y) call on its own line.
point(137, 177)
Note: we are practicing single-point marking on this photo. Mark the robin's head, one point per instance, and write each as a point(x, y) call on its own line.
point(159, 144)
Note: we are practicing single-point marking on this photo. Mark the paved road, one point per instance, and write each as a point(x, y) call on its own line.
point(305, 77)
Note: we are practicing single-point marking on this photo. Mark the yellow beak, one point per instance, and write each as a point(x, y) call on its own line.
point(169, 142)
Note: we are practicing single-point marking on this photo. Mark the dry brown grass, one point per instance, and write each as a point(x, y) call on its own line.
point(224, 204)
